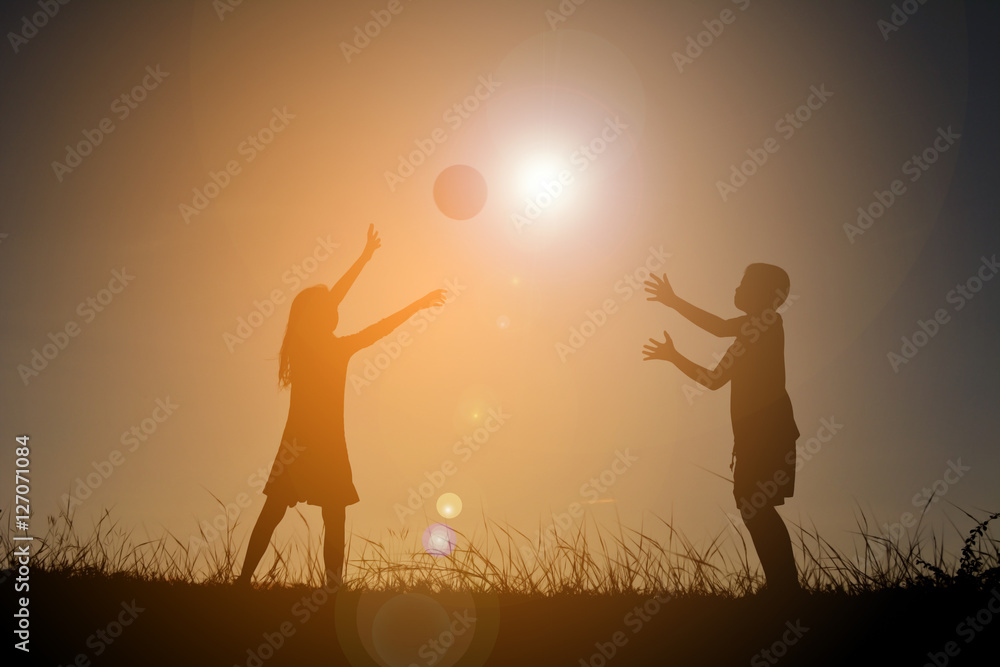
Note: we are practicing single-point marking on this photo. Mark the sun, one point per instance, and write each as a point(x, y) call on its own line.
point(537, 171)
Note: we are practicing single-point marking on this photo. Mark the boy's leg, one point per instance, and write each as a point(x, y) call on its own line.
point(270, 516)
point(774, 548)
point(334, 519)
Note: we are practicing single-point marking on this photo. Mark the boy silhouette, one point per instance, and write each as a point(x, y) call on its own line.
point(311, 465)
point(764, 430)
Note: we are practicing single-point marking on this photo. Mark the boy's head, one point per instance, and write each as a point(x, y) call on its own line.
point(764, 286)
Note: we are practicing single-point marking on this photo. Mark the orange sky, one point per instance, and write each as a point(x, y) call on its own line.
point(298, 199)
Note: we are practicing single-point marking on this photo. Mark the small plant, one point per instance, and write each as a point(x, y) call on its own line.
point(974, 558)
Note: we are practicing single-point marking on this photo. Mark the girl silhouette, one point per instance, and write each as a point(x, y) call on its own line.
point(311, 465)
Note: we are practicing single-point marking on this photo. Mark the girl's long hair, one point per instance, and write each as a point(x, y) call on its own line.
point(302, 330)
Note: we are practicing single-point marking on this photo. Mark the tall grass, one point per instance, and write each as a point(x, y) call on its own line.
point(587, 558)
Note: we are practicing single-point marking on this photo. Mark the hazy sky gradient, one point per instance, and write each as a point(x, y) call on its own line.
point(323, 177)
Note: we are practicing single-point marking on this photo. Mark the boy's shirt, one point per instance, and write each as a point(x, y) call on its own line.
point(761, 410)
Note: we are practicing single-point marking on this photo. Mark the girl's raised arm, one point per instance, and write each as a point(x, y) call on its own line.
point(339, 290)
point(384, 327)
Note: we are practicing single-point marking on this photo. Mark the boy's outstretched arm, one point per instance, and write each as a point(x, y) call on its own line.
point(386, 326)
point(339, 290)
point(665, 351)
point(660, 290)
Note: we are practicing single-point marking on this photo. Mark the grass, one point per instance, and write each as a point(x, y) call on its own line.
point(586, 558)
point(560, 598)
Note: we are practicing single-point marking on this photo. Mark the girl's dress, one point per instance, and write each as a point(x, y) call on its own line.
point(311, 465)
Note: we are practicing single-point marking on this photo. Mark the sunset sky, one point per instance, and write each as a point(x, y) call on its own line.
point(261, 142)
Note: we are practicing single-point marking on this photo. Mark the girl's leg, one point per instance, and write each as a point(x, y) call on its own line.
point(270, 516)
point(774, 548)
point(334, 519)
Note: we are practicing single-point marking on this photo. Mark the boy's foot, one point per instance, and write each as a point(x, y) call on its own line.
point(242, 583)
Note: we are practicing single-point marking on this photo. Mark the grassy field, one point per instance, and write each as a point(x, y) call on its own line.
point(596, 597)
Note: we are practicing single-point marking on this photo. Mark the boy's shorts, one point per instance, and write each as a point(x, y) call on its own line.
point(763, 477)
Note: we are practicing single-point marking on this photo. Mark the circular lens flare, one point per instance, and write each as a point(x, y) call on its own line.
point(439, 540)
point(460, 192)
point(402, 625)
point(449, 505)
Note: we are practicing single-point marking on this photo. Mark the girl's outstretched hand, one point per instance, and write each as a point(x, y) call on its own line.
point(432, 299)
point(663, 350)
point(660, 289)
point(373, 243)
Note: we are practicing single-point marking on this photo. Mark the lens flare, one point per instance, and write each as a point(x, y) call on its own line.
point(460, 192)
point(439, 540)
point(537, 171)
point(449, 505)
point(402, 625)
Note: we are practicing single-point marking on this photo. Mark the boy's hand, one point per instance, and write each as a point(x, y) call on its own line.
point(432, 299)
point(373, 243)
point(664, 351)
point(660, 289)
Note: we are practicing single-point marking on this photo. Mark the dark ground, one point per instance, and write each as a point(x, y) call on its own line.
point(187, 624)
